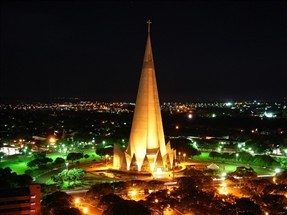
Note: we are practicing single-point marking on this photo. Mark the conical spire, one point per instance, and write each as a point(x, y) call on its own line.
point(146, 147)
point(147, 131)
point(148, 57)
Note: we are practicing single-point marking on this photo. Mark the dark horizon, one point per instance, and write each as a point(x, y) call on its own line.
point(203, 51)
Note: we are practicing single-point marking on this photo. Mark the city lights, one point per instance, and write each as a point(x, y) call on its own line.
point(208, 148)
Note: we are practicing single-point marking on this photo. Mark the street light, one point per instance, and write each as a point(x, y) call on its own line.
point(67, 165)
point(85, 210)
point(77, 201)
point(184, 157)
point(52, 140)
point(223, 189)
point(106, 158)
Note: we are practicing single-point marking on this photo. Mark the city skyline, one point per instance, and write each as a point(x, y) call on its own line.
point(204, 50)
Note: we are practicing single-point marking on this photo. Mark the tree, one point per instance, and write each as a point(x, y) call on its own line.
point(265, 160)
point(242, 171)
point(72, 175)
point(245, 156)
point(68, 211)
point(99, 190)
point(24, 180)
point(9, 179)
point(39, 162)
point(56, 202)
point(214, 154)
point(128, 208)
point(59, 161)
point(108, 200)
point(74, 156)
point(105, 151)
point(246, 206)
point(40, 155)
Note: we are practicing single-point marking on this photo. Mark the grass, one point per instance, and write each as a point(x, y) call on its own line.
point(19, 164)
point(230, 165)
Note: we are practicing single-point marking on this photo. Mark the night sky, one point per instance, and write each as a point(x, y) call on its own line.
point(202, 50)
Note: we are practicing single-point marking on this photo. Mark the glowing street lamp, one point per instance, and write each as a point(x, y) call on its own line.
point(67, 165)
point(134, 192)
point(77, 201)
point(223, 189)
point(184, 155)
point(52, 140)
point(85, 210)
point(277, 170)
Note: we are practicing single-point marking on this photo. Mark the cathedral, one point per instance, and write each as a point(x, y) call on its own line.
point(147, 150)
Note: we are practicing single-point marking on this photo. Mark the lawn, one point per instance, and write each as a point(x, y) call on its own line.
point(230, 165)
point(19, 164)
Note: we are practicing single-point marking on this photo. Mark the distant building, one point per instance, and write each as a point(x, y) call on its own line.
point(147, 151)
point(25, 200)
point(10, 150)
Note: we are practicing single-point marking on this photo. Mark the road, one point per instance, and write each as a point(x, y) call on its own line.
point(45, 176)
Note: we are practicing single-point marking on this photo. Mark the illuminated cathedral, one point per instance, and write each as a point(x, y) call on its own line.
point(147, 151)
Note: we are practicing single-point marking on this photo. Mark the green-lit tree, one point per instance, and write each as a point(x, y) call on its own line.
point(72, 175)
point(39, 162)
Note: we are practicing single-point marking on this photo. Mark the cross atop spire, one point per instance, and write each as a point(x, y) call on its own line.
point(148, 25)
